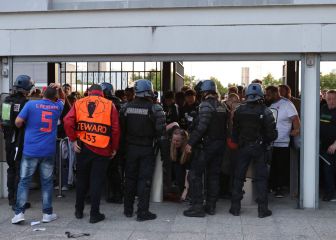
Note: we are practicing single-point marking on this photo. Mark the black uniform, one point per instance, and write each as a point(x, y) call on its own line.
point(142, 122)
point(187, 114)
point(208, 146)
point(327, 138)
point(115, 169)
point(13, 143)
point(172, 113)
point(254, 128)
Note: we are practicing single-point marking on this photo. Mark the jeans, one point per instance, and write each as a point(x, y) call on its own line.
point(28, 168)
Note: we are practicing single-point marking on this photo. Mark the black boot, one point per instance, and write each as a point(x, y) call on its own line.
point(79, 214)
point(210, 209)
point(144, 216)
point(235, 208)
point(194, 212)
point(263, 211)
point(97, 218)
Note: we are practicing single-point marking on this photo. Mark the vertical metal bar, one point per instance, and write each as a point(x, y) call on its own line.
point(60, 195)
point(76, 77)
point(10, 73)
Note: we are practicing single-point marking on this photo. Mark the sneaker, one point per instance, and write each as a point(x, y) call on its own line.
point(65, 188)
point(49, 217)
point(18, 218)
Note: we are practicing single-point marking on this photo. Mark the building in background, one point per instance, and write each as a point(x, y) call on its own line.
point(245, 76)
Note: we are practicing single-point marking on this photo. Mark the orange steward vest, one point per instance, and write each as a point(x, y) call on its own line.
point(93, 119)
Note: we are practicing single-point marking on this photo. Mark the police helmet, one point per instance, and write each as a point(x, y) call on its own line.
point(107, 89)
point(254, 92)
point(206, 86)
point(23, 83)
point(143, 88)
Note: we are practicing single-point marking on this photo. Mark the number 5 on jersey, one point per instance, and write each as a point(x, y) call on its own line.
point(44, 119)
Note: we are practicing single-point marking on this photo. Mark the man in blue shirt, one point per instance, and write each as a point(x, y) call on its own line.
point(40, 118)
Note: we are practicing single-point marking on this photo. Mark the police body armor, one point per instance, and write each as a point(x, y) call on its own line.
point(11, 108)
point(140, 128)
point(217, 129)
point(250, 118)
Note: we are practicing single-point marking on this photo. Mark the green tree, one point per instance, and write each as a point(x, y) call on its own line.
point(189, 81)
point(328, 81)
point(269, 80)
point(153, 76)
point(221, 89)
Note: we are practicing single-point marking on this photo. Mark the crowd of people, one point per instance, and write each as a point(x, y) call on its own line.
point(206, 143)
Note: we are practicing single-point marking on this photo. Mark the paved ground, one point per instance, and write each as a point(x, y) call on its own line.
point(286, 223)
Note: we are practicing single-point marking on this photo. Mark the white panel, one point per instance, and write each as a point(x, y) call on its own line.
point(4, 43)
point(167, 40)
point(170, 17)
point(328, 37)
point(23, 5)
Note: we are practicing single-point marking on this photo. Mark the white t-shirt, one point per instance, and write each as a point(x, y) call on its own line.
point(285, 110)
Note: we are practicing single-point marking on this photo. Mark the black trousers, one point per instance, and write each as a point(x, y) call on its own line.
point(209, 159)
point(280, 167)
point(139, 169)
point(114, 178)
point(12, 170)
point(91, 172)
point(329, 172)
point(246, 155)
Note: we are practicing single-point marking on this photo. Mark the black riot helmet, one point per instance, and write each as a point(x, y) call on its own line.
point(23, 83)
point(107, 89)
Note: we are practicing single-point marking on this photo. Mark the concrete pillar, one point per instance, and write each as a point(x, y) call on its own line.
point(309, 197)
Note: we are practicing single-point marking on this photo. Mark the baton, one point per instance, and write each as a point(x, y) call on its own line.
point(325, 160)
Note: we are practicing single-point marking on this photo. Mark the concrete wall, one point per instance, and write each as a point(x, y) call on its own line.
point(225, 30)
point(50, 5)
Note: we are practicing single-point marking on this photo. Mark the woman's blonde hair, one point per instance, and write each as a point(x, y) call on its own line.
point(173, 151)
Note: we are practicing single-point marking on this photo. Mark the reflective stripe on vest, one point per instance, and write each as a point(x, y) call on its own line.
point(93, 119)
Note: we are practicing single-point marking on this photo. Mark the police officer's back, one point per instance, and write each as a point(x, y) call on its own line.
point(207, 144)
point(14, 136)
point(253, 130)
point(142, 123)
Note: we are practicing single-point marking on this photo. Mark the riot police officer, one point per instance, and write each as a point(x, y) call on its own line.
point(142, 122)
point(207, 143)
point(14, 136)
point(108, 90)
point(115, 168)
point(254, 129)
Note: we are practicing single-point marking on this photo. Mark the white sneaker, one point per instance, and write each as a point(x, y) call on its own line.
point(49, 217)
point(18, 218)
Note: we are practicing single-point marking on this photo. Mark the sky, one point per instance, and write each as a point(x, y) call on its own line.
point(230, 72)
